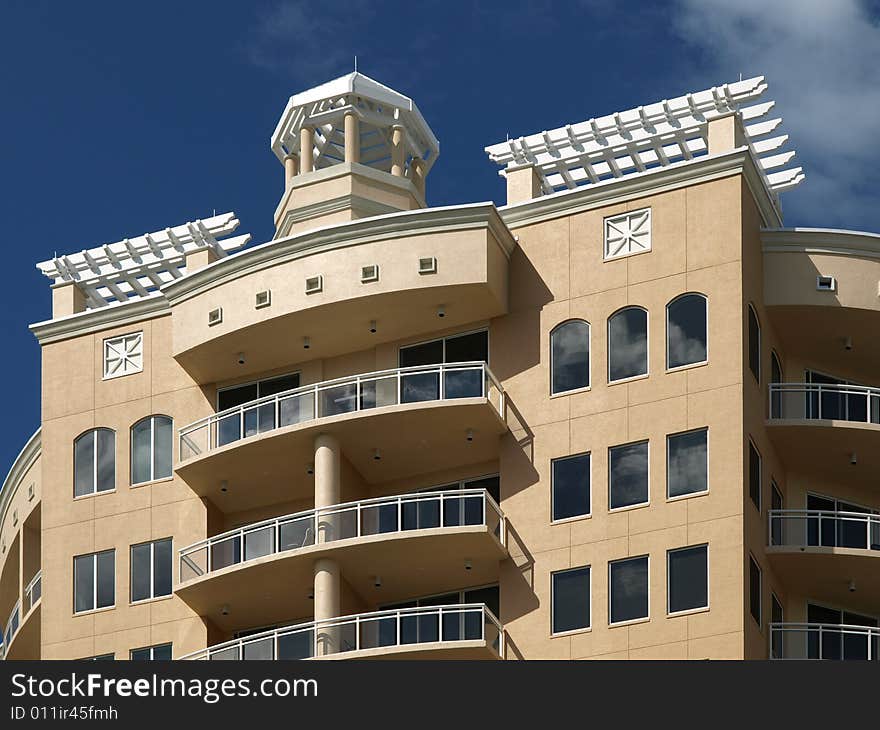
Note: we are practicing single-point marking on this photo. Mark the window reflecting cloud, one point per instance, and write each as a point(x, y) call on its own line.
point(628, 478)
point(686, 331)
point(688, 465)
point(628, 344)
point(570, 350)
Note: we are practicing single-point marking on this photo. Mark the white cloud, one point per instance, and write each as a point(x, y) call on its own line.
point(822, 61)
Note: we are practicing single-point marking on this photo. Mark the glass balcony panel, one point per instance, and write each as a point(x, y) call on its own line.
point(378, 519)
point(259, 542)
point(422, 514)
point(852, 533)
point(225, 553)
point(228, 429)
point(419, 628)
point(337, 400)
point(463, 383)
point(259, 649)
point(420, 387)
point(296, 409)
point(296, 645)
point(194, 563)
point(378, 393)
point(296, 533)
point(230, 654)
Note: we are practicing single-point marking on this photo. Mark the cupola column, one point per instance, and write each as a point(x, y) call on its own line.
point(307, 149)
point(352, 138)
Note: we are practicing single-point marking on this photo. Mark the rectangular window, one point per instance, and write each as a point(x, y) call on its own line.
point(570, 599)
point(467, 347)
point(776, 617)
point(754, 344)
point(687, 463)
point(755, 476)
point(94, 577)
point(628, 589)
point(755, 590)
point(687, 578)
point(151, 570)
point(628, 475)
point(246, 392)
point(777, 521)
point(570, 486)
point(151, 653)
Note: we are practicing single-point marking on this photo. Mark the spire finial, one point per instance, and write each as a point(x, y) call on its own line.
point(355, 64)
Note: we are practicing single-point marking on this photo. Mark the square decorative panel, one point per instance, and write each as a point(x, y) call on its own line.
point(628, 234)
point(123, 355)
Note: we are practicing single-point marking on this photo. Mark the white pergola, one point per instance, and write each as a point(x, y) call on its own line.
point(379, 109)
point(136, 267)
point(652, 136)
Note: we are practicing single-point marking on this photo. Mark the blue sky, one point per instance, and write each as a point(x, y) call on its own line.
point(122, 118)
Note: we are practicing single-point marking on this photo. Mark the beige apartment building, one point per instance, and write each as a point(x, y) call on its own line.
point(626, 415)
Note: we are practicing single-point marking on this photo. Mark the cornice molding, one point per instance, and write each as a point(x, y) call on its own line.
point(830, 241)
point(95, 320)
point(25, 459)
point(652, 182)
point(353, 233)
point(334, 205)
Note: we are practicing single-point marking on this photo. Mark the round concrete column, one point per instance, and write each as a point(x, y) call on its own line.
point(291, 168)
point(352, 137)
point(397, 151)
point(327, 470)
point(328, 592)
point(307, 149)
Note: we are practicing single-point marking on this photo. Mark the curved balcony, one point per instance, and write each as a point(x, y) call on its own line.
point(824, 641)
point(421, 419)
point(21, 635)
point(822, 429)
point(445, 534)
point(466, 631)
point(832, 554)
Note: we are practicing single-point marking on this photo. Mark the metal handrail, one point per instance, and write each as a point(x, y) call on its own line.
point(870, 634)
point(813, 408)
point(805, 517)
point(315, 519)
point(189, 448)
point(327, 637)
point(35, 586)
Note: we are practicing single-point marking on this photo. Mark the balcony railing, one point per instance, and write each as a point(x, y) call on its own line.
point(378, 516)
point(33, 591)
point(823, 641)
point(855, 403)
point(344, 395)
point(820, 528)
point(12, 625)
point(406, 627)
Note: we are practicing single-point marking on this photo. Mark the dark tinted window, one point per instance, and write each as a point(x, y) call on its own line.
point(627, 344)
point(473, 347)
point(231, 397)
point(570, 356)
point(754, 345)
point(688, 578)
point(628, 475)
point(755, 590)
point(570, 483)
point(686, 336)
point(571, 599)
point(687, 466)
point(754, 475)
point(628, 581)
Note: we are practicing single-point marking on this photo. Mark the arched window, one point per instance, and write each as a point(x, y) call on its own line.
point(151, 445)
point(94, 462)
point(627, 344)
point(686, 330)
point(570, 356)
point(754, 344)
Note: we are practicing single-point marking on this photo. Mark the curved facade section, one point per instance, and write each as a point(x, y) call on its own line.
point(389, 424)
point(20, 541)
point(467, 631)
point(400, 270)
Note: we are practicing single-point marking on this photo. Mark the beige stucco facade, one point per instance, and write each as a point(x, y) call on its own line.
point(516, 272)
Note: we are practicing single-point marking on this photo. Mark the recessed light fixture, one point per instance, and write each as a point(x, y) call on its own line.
point(224, 486)
point(441, 311)
point(377, 455)
point(307, 343)
point(373, 326)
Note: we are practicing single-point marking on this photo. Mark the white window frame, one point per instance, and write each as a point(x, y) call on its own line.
point(95, 606)
point(697, 609)
point(589, 512)
point(647, 372)
point(627, 217)
point(152, 649)
point(700, 363)
point(688, 495)
point(638, 505)
point(94, 491)
point(152, 419)
point(152, 596)
point(121, 340)
point(589, 385)
point(631, 621)
point(583, 629)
